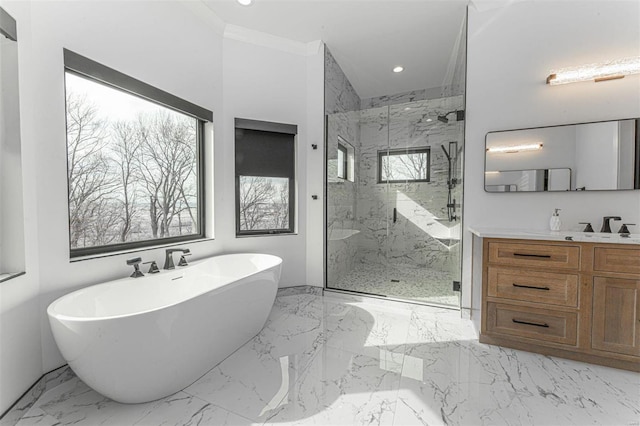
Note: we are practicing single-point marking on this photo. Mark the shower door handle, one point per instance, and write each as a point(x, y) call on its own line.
point(395, 215)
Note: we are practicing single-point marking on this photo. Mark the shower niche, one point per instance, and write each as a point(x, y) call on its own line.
point(394, 229)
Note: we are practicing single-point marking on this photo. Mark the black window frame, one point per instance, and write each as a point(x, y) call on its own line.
point(345, 164)
point(96, 72)
point(266, 127)
point(404, 151)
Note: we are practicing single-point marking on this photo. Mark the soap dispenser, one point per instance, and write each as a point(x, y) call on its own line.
point(555, 222)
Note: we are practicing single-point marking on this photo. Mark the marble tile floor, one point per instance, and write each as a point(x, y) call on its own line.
point(414, 283)
point(346, 360)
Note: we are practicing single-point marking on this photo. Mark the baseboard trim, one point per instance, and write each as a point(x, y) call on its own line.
point(46, 382)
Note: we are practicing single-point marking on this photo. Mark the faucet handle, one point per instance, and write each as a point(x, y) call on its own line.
point(153, 269)
point(624, 229)
point(137, 273)
point(587, 228)
point(183, 261)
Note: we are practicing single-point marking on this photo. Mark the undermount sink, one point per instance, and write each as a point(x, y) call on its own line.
point(601, 236)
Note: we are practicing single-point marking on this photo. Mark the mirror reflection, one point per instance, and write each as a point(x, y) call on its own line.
point(578, 157)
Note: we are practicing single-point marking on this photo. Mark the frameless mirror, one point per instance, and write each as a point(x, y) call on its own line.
point(577, 157)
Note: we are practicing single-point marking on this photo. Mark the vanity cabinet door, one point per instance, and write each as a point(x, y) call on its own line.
point(616, 315)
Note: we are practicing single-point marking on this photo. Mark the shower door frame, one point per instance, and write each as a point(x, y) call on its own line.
point(326, 234)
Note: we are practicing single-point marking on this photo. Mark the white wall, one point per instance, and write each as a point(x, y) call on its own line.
point(20, 343)
point(175, 46)
point(510, 52)
point(266, 84)
point(597, 155)
point(626, 153)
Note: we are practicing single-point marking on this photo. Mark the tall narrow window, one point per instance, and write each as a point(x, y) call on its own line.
point(134, 161)
point(265, 177)
point(343, 164)
point(345, 160)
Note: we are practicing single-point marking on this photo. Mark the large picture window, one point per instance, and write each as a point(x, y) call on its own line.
point(265, 177)
point(134, 161)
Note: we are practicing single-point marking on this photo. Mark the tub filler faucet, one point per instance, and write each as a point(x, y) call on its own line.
point(168, 260)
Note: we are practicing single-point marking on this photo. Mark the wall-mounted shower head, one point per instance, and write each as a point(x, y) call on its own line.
point(459, 116)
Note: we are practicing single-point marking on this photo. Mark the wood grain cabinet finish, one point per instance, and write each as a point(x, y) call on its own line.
point(543, 324)
point(535, 255)
point(529, 285)
point(617, 260)
point(616, 315)
point(568, 299)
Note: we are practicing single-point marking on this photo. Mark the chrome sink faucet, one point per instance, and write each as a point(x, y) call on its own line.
point(168, 260)
point(606, 227)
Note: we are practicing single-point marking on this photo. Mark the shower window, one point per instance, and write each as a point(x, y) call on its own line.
point(346, 160)
point(342, 161)
point(134, 161)
point(404, 165)
point(265, 177)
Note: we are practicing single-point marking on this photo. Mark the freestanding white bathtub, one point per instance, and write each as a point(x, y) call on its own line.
point(140, 339)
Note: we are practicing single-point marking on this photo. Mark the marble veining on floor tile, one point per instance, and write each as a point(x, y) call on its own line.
point(346, 360)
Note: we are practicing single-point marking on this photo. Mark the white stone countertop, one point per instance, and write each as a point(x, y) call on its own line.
point(524, 234)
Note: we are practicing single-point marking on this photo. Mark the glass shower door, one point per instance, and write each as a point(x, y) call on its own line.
point(422, 247)
point(393, 202)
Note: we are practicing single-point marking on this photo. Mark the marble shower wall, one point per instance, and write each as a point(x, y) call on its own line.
point(422, 235)
point(359, 226)
point(342, 106)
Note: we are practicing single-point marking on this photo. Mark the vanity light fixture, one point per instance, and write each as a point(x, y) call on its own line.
point(605, 71)
point(515, 148)
point(398, 69)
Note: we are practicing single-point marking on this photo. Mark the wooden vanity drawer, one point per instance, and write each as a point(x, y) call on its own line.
point(535, 255)
point(533, 286)
point(621, 260)
point(541, 324)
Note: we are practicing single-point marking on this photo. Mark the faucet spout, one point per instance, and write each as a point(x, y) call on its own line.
point(606, 226)
point(168, 259)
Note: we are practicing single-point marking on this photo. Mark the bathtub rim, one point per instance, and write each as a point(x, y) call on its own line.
point(65, 317)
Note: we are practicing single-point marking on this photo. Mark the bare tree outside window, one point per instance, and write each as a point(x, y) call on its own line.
point(264, 203)
point(132, 167)
point(403, 166)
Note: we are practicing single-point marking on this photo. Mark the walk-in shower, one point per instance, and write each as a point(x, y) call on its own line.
point(394, 200)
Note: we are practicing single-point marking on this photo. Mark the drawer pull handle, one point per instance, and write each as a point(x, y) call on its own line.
point(531, 286)
point(537, 324)
point(541, 256)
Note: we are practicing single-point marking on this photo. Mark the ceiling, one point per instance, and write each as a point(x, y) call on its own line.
point(368, 38)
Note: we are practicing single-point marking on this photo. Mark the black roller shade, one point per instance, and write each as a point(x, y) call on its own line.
point(264, 153)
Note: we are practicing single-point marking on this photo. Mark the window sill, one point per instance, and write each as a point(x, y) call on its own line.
point(280, 234)
point(10, 275)
point(136, 250)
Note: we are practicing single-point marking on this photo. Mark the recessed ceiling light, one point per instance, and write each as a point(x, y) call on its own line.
point(245, 2)
point(398, 69)
point(429, 120)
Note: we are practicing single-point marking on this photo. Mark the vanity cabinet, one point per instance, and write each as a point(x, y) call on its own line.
point(569, 299)
point(616, 315)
